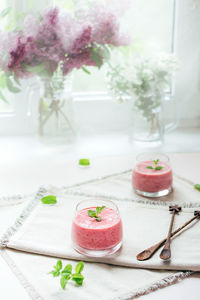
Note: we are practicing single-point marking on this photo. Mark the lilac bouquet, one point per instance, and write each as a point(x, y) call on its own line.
point(58, 36)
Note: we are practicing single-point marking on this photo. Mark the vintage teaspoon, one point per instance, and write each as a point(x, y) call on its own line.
point(166, 251)
point(148, 253)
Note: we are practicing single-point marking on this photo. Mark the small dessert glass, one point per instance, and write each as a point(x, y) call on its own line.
point(97, 238)
point(152, 175)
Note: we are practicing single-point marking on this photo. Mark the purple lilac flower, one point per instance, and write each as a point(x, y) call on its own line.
point(105, 26)
point(83, 40)
point(59, 37)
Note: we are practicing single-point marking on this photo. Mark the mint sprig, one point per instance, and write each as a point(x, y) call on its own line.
point(66, 274)
point(156, 167)
point(95, 213)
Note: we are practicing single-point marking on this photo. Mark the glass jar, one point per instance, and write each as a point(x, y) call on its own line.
point(151, 121)
point(152, 175)
point(97, 237)
point(56, 117)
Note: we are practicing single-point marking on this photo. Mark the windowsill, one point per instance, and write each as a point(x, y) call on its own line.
point(14, 148)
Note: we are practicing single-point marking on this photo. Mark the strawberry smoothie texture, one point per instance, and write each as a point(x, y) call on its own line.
point(91, 234)
point(150, 180)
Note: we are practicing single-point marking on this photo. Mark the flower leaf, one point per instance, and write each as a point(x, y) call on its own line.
point(50, 199)
point(5, 12)
point(149, 167)
point(97, 59)
point(11, 87)
point(86, 70)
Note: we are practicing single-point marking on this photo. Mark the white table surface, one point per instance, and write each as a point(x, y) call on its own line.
point(26, 164)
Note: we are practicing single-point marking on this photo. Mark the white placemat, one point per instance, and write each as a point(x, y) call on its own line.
point(47, 231)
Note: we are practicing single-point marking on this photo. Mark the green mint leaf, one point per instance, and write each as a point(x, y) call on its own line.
point(98, 219)
point(98, 210)
point(78, 278)
point(84, 162)
point(55, 273)
point(101, 208)
point(49, 199)
point(58, 266)
point(197, 187)
point(63, 281)
point(67, 270)
point(79, 267)
point(156, 161)
point(91, 213)
point(149, 167)
point(158, 168)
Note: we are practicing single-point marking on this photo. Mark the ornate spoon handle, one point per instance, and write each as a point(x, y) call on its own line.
point(148, 253)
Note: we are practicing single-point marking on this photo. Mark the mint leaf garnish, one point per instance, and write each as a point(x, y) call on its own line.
point(55, 273)
point(66, 274)
point(84, 162)
point(78, 278)
point(95, 213)
point(156, 168)
point(63, 280)
point(197, 187)
point(67, 270)
point(49, 199)
point(149, 167)
point(58, 266)
point(156, 161)
point(79, 267)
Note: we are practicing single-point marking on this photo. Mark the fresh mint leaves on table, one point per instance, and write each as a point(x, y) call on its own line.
point(66, 274)
point(156, 166)
point(50, 199)
point(197, 187)
point(84, 162)
point(95, 213)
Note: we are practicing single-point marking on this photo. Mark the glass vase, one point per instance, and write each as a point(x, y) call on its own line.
point(150, 126)
point(55, 113)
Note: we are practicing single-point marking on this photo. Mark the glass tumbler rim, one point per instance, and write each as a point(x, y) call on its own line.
point(93, 200)
point(151, 156)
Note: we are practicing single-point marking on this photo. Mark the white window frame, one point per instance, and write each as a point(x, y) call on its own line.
point(185, 22)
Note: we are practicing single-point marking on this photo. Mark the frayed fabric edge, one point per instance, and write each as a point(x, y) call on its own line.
point(154, 203)
point(22, 217)
point(34, 295)
point(156, 285)
point(19, 275)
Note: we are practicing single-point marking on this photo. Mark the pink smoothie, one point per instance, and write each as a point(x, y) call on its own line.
point(148, 180)
point(91, 234)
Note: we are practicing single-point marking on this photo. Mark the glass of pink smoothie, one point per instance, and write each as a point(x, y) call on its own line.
point(94, 237)
point(152, 175)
